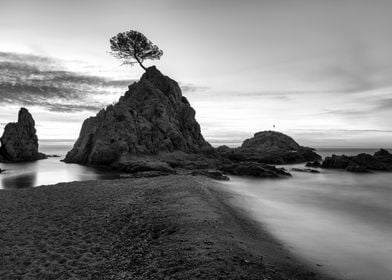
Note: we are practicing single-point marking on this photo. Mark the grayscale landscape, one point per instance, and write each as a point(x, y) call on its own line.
point(182, 139)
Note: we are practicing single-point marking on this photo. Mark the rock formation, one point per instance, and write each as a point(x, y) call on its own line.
point(152, 131)
point(381, 160)
point(270, 147)
point(304, 170)
point(385, 157)
point(19, 141)
point(254, 169)
point(150, 119)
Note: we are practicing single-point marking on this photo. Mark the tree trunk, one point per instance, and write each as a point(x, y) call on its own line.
point(141, 65)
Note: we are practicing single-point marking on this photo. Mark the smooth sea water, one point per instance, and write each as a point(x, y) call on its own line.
point(49, 171)
point(339, 222)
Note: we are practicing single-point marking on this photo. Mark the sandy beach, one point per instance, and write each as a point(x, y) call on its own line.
point(173, 227)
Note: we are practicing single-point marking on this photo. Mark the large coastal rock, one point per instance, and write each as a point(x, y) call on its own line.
point(380, 161)
point(19, 141)
point(270, 147)
point(151, 118)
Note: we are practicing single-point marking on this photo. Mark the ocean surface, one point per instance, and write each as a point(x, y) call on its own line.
point(339, 222)
point(49, 171)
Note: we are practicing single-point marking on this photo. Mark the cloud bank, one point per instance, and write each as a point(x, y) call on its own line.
point(30, 80)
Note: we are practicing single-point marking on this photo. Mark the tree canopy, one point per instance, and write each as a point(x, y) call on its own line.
point(133, 47)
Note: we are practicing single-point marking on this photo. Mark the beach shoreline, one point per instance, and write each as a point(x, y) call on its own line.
point(172, 227)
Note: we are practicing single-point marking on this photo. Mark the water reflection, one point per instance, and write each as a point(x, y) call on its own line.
point(49, 171)
point(19, 181)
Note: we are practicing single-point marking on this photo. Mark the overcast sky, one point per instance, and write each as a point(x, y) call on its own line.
point(321, 71)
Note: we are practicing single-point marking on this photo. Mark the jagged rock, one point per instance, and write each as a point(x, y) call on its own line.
point(368, 161)
point(254, 169)
point(270, 147)
point(306, 170)
point(385, 157)
point(313, 164)
point(335, 161)
point(19, 141)
point(360, 163)
point(143, 165)
point(214, 174)
point(152, 117)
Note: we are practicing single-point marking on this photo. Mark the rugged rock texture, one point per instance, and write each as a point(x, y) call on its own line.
point(19, 141)
point(270, 147)
point(143, 165)
point(313, 164)
point(385, 157)
point(254, 169)
point(151, 118)
point(214, 174)
point(380, 161)
point(305, 170)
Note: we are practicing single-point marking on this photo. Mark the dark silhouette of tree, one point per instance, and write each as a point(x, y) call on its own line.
point(133, 47)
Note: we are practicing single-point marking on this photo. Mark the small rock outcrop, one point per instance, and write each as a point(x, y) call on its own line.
point(304, 170)
point(313, 164)
point(19, 141)
point(254, 169)
point(385, 157)
point(151, 118)
point(214, 174)
point(380, 161)
point(270, 147)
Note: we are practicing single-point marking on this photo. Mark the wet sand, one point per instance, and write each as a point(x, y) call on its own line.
point(174, 227)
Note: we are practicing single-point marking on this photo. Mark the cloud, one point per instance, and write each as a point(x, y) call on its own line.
point(190, 88)
point(384, 104)
point(30, 80)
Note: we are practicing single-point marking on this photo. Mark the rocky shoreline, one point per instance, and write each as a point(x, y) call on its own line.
point(173, 227)
point(361, 163)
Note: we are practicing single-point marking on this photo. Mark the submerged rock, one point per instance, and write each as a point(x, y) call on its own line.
point(270, 147)
point(306, 170)
point(19, 141)
point(352, 167)
point(151, 118)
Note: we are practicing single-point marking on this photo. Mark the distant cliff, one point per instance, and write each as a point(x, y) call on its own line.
point(150, 118)
point(19, 141)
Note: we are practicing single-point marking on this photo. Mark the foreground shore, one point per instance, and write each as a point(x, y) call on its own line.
point(174, 227)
